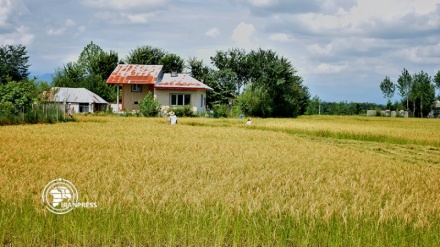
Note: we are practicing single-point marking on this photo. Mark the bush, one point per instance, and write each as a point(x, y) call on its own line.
point(221, 111)
point(149, 106)
point(183, 111)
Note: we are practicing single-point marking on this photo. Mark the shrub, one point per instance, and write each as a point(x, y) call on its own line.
point(149, 106)
point(183, 111)
point(221, 111)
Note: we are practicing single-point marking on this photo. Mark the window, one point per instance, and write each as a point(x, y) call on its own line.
point(180, 99)
point(83, 107)
point(136, 88)
point(202, 101)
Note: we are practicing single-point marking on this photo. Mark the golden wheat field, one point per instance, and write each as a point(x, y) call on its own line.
point(320, 180)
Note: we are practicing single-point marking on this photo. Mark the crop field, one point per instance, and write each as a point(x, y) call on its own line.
point(310, 181)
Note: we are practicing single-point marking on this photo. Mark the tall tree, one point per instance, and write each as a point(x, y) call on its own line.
point(437, 81)
point(13, 63)
point(172, 62)
point(423, 93)
point(275, 86)
point(145, 55)
point(404, 84)
point(199, 70)
point(224, 87)
point(91, 71)
point(237, 61)
point(388, 88)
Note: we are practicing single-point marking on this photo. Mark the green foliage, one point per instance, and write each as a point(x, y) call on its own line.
point(172, 62)
point(235, 60)
point(404, 84)
point(149, 106)
point(224, 87)
point(13, 63)
point(423, 94)
point(22, 102)
point(275, 91)
point(250, 102)
point(145, 55)
point(183, 111)
point(387, 87)
point(20, 94)
point(313, 106)
point(91, 71)
point(221, 111)
point(437, 79)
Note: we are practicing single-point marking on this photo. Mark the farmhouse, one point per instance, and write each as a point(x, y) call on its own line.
point(170, 89)
point(81, 99)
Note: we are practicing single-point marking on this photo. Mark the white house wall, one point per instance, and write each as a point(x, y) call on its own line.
point(163, 96)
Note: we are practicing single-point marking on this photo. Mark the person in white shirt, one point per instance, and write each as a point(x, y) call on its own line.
point(173, 118)
point(249, 121)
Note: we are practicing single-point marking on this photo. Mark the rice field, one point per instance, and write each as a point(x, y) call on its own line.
point(310, 181)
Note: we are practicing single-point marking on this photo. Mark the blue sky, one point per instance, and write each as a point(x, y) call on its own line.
point(342, 48)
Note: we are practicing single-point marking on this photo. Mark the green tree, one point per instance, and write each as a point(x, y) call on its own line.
point(281, 91)
point(13, 63)
point(20, 93)
point(404, 84)
point(423, 93)
point(224, 86)
point(388, 88)
point(145, 55)
point(149, 106)
point(235, 60)
point(313, 106)
point(203, 73)
point(172, 62)
point(437, 81)
point(91, 71)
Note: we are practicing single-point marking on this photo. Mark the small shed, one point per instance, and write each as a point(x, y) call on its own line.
point(80, 99)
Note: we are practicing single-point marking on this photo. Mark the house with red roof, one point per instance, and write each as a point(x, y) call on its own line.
point(170, 89)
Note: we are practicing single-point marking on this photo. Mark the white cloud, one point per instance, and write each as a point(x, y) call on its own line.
point(243, 32)
point(55, 32)
point(281, 37)
point(82, 29)
point(126, 5)
point(138, 18)
point(320, 50)
point(69, 23)
point(22, 35)
point(325, 68)
point(6, 8)
point(262, 3)
point(213, 32)
point(367, 16)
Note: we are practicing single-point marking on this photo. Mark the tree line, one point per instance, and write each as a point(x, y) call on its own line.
point(260, 82)
point(315, 106)
point(417, 91)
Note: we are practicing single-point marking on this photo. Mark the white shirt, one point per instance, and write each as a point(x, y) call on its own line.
point(173, 119)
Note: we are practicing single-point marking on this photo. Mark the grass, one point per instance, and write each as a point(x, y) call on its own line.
point(327, 181)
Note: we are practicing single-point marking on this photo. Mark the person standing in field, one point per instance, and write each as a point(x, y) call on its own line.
point(70, 111)
point(173, 118)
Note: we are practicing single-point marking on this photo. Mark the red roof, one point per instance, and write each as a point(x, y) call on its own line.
point(135, 74)
point(180, 82)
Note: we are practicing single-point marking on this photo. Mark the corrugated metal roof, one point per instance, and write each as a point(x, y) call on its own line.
point(76, 95)
point(135, 74)
point(181, 81)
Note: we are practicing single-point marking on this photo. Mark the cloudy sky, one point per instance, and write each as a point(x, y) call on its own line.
point(342, 48)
